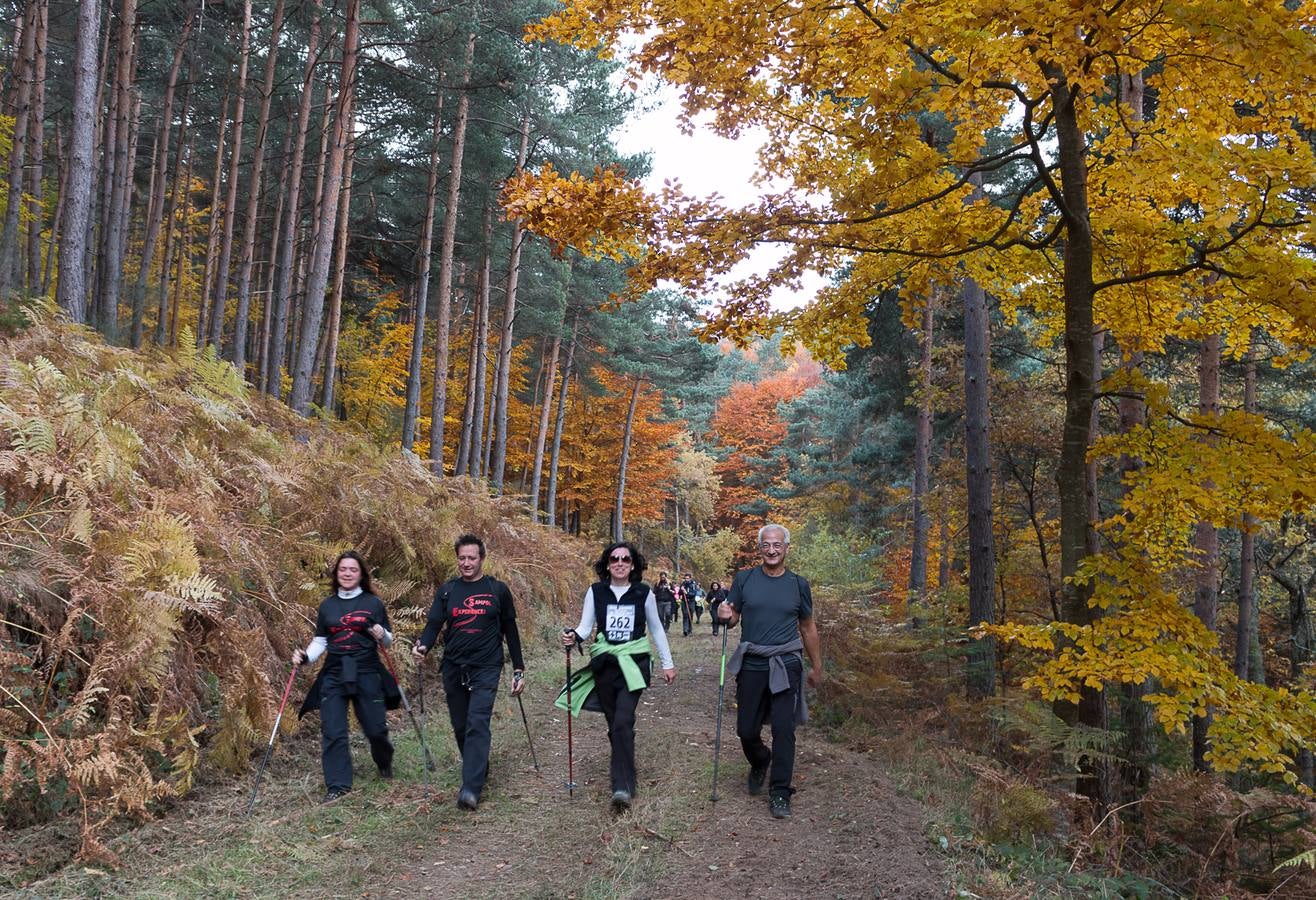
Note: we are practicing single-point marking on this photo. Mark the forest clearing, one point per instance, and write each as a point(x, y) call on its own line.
point(282, 279)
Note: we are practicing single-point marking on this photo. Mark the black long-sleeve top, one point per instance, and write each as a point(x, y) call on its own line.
point(475, 617)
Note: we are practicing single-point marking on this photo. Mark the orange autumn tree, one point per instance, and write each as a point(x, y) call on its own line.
point(1102, 209)
point(747, 425)
point(591, 448)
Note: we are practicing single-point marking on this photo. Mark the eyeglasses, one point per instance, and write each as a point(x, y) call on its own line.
point(613, 559)
point(773, 545)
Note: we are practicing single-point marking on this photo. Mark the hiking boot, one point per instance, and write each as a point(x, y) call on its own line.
point(780, 806)
point(334, 794)
point(621, 801)
point(757, 775)
point(386, 772)
point(467, 800)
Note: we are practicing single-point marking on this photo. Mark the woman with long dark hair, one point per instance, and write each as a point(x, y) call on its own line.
point(350, 626)
point(621, 612)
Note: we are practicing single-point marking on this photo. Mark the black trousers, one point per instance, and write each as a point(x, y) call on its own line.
point(335, 754)
point(619, 706)
point(471, 691)
point(756, 704)
point(666, 612)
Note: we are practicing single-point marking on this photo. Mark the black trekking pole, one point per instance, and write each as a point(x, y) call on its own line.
point(420, 685)
point(388, 664)
point(721, 687)
point(571, 773)
point(529, 740)
point(269, 748)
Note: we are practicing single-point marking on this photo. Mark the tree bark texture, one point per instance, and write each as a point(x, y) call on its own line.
point(71, 293)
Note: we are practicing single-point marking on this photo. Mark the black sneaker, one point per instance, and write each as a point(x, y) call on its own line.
point(780, 806)
point(334, 794)
point(757, 775)
point(386, 772)
point(467, 800)
point(621, 801)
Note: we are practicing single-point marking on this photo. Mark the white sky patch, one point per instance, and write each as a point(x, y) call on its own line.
point(705, 163)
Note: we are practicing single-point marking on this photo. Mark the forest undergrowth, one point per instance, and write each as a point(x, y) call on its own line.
point(997, 777)
point(164, 538)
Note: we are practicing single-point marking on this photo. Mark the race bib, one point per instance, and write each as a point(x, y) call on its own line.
point(620, 622)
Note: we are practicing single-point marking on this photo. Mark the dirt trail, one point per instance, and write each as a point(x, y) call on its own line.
point(851, 834)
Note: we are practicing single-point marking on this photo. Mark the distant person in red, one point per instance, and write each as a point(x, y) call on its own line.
point(477, 614)
point(350, 625)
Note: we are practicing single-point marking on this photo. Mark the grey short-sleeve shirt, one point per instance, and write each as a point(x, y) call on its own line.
point(770, 608)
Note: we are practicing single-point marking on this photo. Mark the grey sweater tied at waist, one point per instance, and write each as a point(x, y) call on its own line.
point(778, 678)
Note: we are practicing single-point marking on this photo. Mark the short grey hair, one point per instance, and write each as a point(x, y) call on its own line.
point(785, 532)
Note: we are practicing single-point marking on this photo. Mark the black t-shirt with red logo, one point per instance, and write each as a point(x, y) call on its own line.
point(475, 617)
point(345, 624)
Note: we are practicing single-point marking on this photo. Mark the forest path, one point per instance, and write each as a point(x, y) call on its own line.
point(852, 835)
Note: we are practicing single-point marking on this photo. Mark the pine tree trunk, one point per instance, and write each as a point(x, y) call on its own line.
point(271, 273)
point(550, 382)
point(247, 255)
point(503, 375)
point(219, 299)
point(160, 185)
point(57, 220)
point(918, 560)
point(71, 292)
point(170, 222)
point(119, 170)
point(439, 398)
point(1206, 540)
point(272, 376)
point(24, 65)
point(559, 425)
point(36, 148)
point(481, 349)
point(299, 397)
point(411, 410)
point(340, 271)
point(977, 454)
point(215, 219)
point(463, 463)
point(184, 253)
point(619, 505)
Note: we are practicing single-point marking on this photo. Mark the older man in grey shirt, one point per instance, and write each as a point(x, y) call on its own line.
point(776, 609)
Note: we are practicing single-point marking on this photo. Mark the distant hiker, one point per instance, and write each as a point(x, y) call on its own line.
point(777, 611)
point(666, 600)
point(350, 624)
point(476, 613)
point(716, 595)
point(687, 594)
point(625, 611)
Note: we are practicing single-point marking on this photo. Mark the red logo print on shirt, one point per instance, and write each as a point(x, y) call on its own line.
point(349, 626)
point(466, 617)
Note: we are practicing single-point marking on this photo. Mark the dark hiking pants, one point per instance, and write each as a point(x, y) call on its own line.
point(471, 691)
point(335, 754)
point(757, 704)
point(619, 706)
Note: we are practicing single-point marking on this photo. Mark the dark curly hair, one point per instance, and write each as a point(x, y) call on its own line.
point(637, 561)
point(365, 571)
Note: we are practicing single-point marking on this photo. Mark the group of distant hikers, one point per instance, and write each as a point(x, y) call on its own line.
point(474, 614)
point(688, 598)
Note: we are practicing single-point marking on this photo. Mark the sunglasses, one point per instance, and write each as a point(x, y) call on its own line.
point(613, 559)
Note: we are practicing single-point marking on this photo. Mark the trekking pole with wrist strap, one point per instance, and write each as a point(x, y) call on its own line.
point(526, 723)
point(269, 748)
point(721, 688)
point(571, 776)
point(388, 664)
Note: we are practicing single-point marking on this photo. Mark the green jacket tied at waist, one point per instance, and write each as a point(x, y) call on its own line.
point(582, 681)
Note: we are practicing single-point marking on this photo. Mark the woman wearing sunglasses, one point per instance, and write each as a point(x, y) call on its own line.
point(624, 611)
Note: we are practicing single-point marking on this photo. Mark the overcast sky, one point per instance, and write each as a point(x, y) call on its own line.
point(704, 163)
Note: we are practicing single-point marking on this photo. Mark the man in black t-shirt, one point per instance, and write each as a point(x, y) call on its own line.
point(662, 592)
point(776, 609)
point(476, 613)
